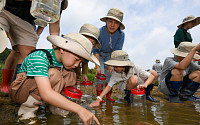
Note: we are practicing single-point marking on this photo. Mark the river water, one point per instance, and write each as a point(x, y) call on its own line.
point(117, 113)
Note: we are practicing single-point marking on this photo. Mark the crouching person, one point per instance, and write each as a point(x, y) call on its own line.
point(129, 76)
point(39, 80)
point(180, 76)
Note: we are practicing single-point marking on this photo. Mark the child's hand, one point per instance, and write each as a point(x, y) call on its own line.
point(94, 104)
point(110, 70)
point(87, 117)
point(98, 71)
point(141, 86)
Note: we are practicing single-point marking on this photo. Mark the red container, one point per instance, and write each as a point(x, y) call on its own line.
point(72, 92)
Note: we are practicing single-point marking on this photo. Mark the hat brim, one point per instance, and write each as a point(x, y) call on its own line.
point(122, 27)
point(3, 40)
point(73, 47)
point(119, 63)
point(182, 54)
point(197, 22)
point(97, 45)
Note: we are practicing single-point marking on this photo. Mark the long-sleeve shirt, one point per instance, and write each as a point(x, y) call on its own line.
point(117, 41)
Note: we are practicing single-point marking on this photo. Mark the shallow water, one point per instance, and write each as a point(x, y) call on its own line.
point(117, 113)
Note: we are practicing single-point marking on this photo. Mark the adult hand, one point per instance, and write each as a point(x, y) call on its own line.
point(87, 117)
point(85, 78)
point(94, 104)
point(109, 69)
point(98, 70)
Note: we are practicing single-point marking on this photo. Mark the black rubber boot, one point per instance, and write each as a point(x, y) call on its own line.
point(187, 92)
point(127, 97)
point(174, 87)
point(147, 92)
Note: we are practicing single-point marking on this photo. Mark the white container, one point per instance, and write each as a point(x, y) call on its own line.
point(46, 10)
point(138, 98)
point(2, 4)
point(40, 22)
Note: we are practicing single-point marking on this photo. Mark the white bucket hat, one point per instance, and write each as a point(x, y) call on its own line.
point(3, 39)
point(183, 49)
point(115, 14)
point(157, 61)
point(2, 4)
point(75, 43)
point(190, 18)
point(92, 31)
point(119, 58)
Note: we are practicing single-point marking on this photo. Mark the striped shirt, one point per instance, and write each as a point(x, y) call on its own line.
point(37, 63)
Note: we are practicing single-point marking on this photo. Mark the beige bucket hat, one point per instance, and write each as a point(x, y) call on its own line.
point(75, 43)
point(115, 14)
point(157, 61)
point(3, 39)
point(119, 58)
point(2, 4)
point(183, 49)
point(92, 31)
point(190, 18)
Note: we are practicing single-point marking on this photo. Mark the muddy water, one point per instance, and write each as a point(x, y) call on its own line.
point(118, 113)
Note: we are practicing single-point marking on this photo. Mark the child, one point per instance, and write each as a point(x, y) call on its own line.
point(48, 82)
point(182, 33)
point(128, 75)
point(91, 32)
point(158, 68)
point(180, 76)
point(111, 38)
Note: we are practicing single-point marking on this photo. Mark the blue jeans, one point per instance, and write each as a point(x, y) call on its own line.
point(103, 58)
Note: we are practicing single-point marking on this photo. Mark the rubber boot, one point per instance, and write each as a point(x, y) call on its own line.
point(108, 95)
point(127, 97)
point(147, 92)
point(99, 89)
point(7, 75)
point(28, 109)
point(16, 69)
point(174, 88)
point(187, 92)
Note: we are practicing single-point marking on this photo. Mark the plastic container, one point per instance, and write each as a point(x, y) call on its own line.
point(138, 98)
point(2, 4)
point(40, 22)
point(87, 89)
point(73, 94)
point(100, 79)
point(46, 10)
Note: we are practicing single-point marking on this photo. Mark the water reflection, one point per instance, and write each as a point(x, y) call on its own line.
point(118, 113)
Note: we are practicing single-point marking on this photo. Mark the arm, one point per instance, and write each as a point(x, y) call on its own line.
point(56, 99)
point(187, 60)
point(97, 102)
point(54, 28)
point(98, 70)
point(84, 71)
point(146, 83)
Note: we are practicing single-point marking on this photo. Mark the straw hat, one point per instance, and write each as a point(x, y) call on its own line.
point(183, 49)
point(119, 58)
point(157, 61)
point(115, 14)
point(92, 31)
point(75, 43)
point(190, 18)
point(3, 39)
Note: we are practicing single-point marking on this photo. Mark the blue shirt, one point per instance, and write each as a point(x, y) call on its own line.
point(117, 41)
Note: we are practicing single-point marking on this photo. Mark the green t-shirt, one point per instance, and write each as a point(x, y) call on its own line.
point(181, 35)
point(37, 63)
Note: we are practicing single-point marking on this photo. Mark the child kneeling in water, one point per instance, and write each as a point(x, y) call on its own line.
point(39, 78)
point(129, 77)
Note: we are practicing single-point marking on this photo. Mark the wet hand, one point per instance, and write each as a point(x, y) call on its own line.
point(94, 104)
point(87, 117)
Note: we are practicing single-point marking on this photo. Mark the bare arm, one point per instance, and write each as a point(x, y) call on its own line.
point(98, 70)
point(187, 60)
point(147, 82)
point(84, 71)
point(97, 102)
point(52, 97)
